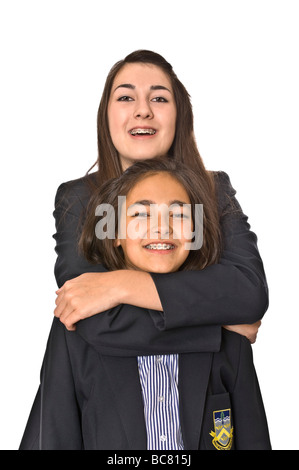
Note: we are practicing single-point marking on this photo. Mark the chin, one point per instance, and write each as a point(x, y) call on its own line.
point(142, 156)
point(161, 270)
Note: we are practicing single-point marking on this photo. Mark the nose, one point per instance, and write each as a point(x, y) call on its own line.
point(143, 110)
point(161, 228)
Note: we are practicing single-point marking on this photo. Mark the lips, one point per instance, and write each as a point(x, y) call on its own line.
point(160, 247)
point(142, 131)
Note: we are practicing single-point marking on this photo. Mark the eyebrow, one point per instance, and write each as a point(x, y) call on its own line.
point(132, 87)
point(147, 202)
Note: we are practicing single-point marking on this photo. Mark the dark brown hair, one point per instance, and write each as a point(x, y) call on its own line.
point(105, 252)
point(183, 148)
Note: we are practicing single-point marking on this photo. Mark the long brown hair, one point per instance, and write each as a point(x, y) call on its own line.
point(104, 251)
point(183, 148)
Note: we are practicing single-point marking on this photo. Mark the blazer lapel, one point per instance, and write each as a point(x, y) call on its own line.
point(123, 376)
point(194, 374)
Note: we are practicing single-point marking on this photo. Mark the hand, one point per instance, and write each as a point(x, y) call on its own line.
point(250, 331)
point(86, 295)
point(93, 293)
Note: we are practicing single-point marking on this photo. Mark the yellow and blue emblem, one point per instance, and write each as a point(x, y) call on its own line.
point(223, 430)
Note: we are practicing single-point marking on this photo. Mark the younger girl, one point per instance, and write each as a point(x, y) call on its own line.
point(90, 400)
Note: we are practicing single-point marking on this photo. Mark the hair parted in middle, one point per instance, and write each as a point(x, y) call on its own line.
point(104, 251)
point(183, 148)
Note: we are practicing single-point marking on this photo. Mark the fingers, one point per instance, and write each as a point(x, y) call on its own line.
point(68, 318)
point(69, 321)
point(249, 331)
point(253, 331)
point(65, 309)
point(81, 298)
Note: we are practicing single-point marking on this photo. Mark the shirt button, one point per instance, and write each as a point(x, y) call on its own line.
point(159, 359)
point(163, 438)
point(161, 399)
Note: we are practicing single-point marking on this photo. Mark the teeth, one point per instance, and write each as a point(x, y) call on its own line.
point(160, 246)
point(142, 131)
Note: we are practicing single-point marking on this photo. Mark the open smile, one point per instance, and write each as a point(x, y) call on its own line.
point(161, 248)
point(142, 132)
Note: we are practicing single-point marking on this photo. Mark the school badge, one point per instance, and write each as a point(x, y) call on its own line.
point(223, 435)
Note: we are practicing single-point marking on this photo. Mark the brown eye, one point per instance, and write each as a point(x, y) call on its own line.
point(125, 98)
point(140, 214)
point(160, 99)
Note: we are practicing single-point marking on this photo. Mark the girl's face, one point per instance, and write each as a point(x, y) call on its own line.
point(141, 113)
point(153, 238)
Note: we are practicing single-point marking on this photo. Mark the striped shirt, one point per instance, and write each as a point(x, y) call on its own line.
point(159, 384)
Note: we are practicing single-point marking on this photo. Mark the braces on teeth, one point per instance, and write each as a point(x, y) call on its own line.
point(160, 246)
point(142, 131)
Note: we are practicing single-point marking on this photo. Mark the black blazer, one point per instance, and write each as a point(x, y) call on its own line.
point(195, 303)
point(91, 401)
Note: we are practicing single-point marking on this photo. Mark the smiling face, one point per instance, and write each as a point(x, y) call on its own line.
point(162, 236)
point(141, 113)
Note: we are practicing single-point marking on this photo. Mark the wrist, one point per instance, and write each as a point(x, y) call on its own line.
point(137, 288)
point(122, 288)
point(126, 282)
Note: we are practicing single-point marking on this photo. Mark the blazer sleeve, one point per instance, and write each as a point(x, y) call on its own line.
point(54, 421)
point(234, 291)
point(70, 204)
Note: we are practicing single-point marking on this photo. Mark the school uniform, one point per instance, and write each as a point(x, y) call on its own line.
point(90, 394)
point(91, 401)
point(232, 291)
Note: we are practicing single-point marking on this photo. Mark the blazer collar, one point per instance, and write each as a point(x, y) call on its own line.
point(122, 372)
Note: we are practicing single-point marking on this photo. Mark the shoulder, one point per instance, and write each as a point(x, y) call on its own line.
point(222, 182)
point(225, 193)
point(77, 191)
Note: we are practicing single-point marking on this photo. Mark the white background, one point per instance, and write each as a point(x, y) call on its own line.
point(239, 61)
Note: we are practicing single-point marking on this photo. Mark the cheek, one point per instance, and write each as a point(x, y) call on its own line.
point(115, 122)
point(125, 247)
point(174, 122)
point(182, 229)
point(137, 229)
point(169, 135)
point(171, 119)
point(131, 251)
point(130, 245)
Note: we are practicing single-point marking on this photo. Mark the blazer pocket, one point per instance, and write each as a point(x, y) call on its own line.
point(218, 430)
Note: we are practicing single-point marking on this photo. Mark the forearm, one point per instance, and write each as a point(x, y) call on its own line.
point(138, 288)
point(123, 328)
point(218, 295)
point(231, 292)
